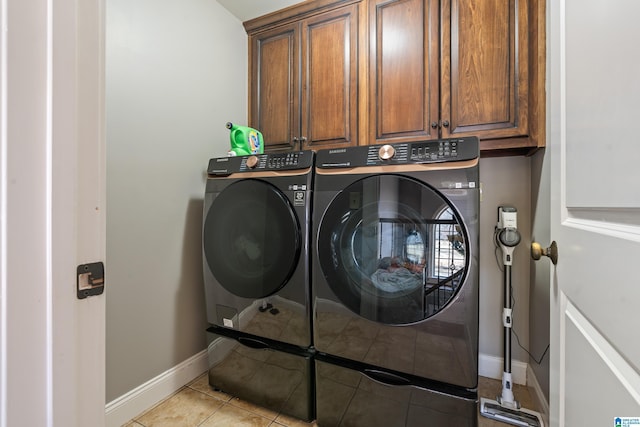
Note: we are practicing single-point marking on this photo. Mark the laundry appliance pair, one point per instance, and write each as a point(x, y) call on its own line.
point(346, 289)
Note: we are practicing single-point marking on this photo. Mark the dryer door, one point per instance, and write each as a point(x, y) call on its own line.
point(392, 249)
point(251, 239)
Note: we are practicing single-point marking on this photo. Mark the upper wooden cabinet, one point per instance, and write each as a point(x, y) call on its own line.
point(448, 68)
point(484, 72)
point(304, 78)
point(403, 67)
point(274, 86)
point(341, 73)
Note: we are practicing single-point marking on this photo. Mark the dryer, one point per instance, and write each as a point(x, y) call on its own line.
point(256, 275)
point(395, 283)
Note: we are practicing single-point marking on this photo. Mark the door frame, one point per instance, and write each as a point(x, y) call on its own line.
point(52, 211)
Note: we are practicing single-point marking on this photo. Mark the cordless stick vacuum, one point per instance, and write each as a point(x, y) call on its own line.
point(505, 408)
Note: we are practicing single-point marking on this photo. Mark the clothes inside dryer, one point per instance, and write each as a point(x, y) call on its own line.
point(393, 249)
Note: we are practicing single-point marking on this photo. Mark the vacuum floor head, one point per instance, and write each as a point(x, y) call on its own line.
point(517, 417)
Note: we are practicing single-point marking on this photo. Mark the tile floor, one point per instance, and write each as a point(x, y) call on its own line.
point(197, 405)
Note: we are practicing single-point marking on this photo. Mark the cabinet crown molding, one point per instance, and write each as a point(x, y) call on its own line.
point(294, 12)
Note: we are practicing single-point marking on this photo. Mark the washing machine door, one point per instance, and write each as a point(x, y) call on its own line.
point(392, 249)
point(251, 238)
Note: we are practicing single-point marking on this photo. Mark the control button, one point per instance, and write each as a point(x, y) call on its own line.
point(386, 152)
point(252, 162)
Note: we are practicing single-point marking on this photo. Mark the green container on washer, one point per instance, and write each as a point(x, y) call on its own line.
point(244, 140)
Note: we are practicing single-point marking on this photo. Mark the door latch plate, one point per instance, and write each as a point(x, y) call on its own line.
point(90, 279)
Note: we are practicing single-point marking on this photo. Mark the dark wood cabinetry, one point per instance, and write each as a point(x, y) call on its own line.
point(485, 68)
point(403, 68)
point(274, 86)
point(448, 68)
point(486, 89)
point(339, 73)
point(304, 80)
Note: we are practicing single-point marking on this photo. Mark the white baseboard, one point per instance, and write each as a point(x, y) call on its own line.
point(127, 406)
point(492, 367)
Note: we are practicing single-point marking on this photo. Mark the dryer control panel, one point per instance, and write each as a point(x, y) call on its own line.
point(433, 151)
point(292, 160)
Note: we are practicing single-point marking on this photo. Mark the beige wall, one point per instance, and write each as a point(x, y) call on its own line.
point(505, 181)
point(176, 73)
point(522, 182)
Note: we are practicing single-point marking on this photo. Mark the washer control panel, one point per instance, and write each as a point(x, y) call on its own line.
point(442, 150)
point(433, 151)
point(261, 162)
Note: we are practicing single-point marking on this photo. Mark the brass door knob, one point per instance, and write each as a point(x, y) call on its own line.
point(538, 252)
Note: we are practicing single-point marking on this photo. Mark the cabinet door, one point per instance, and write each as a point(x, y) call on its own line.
point(404, 72)
point(274, 96)
point(484, 68)
point(330, 79)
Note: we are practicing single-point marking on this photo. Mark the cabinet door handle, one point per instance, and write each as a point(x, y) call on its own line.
point(434, 125)
point(445, 124)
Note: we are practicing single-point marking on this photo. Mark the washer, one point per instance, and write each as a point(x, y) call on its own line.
point(255, 245)
point(256, 275)
point(395, 283)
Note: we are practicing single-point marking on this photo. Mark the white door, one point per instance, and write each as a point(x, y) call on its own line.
point(594, 107)
point(52, 213)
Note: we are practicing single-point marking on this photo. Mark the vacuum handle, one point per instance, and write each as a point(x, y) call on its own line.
point(386, 377)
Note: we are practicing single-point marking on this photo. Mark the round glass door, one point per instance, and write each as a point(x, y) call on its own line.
point(252, 239)
point(392, 249)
